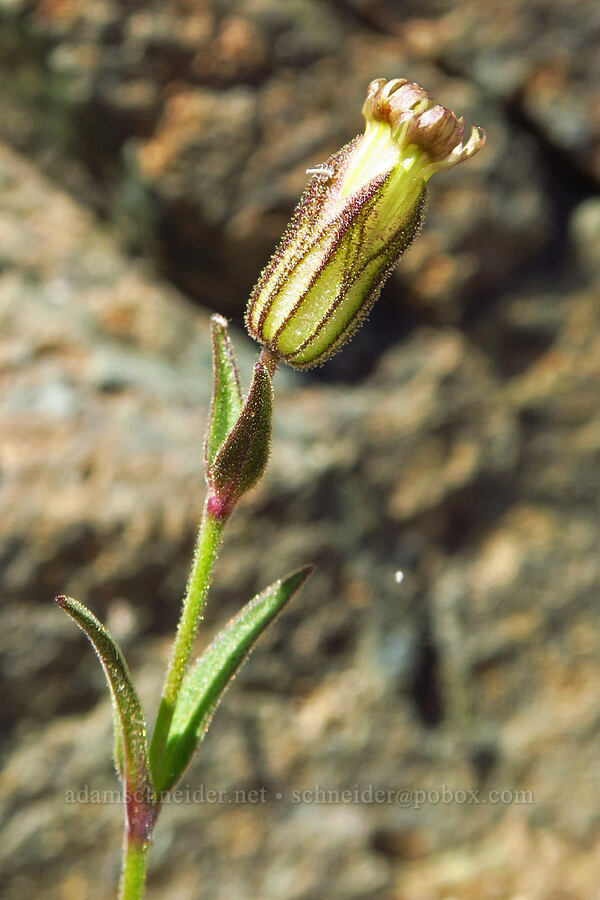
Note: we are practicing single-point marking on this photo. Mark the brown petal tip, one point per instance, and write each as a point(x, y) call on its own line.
point(414, 118)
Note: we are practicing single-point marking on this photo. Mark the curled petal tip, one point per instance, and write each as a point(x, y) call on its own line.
point(466, 150)
point(391, 101)
point(414, 118)
point(437, 131)
point(374, 86)
point(475, 142)
point(372, 91)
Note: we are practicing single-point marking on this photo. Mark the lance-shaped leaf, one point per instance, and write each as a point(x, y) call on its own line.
point(227, 400)
point(243, 457)
point(207, 680)
point(131, 754)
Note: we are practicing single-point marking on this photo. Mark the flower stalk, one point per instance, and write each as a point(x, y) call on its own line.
point(205, 555)
point(133, 878)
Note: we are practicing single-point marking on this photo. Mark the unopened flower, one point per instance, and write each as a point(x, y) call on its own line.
point(361, 210)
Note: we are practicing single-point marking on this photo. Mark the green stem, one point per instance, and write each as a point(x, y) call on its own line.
point(135, 858)
point(207, 546)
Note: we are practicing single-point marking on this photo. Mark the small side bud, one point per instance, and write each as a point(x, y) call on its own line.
point(242, 459)
point(361, 211)
point(227, 400)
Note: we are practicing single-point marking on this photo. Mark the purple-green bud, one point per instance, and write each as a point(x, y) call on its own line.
point(243, 456)
point(360, 212)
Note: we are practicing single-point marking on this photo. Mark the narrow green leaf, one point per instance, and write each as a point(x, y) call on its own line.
point(118, 749)
point(207, 680)
point(227, 398)
point(131, 753)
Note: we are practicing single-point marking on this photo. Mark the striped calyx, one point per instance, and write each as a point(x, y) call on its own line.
point(361, 210)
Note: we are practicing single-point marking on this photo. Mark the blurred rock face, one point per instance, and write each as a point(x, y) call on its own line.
point(464, 453)
point(193, 127)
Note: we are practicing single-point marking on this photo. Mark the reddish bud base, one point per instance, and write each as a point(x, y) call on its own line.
point(218, 507)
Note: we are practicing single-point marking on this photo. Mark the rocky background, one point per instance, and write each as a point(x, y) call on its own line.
point(152, 153)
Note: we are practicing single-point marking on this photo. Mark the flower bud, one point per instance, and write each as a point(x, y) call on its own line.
point(361, 210)
point(242, 457)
